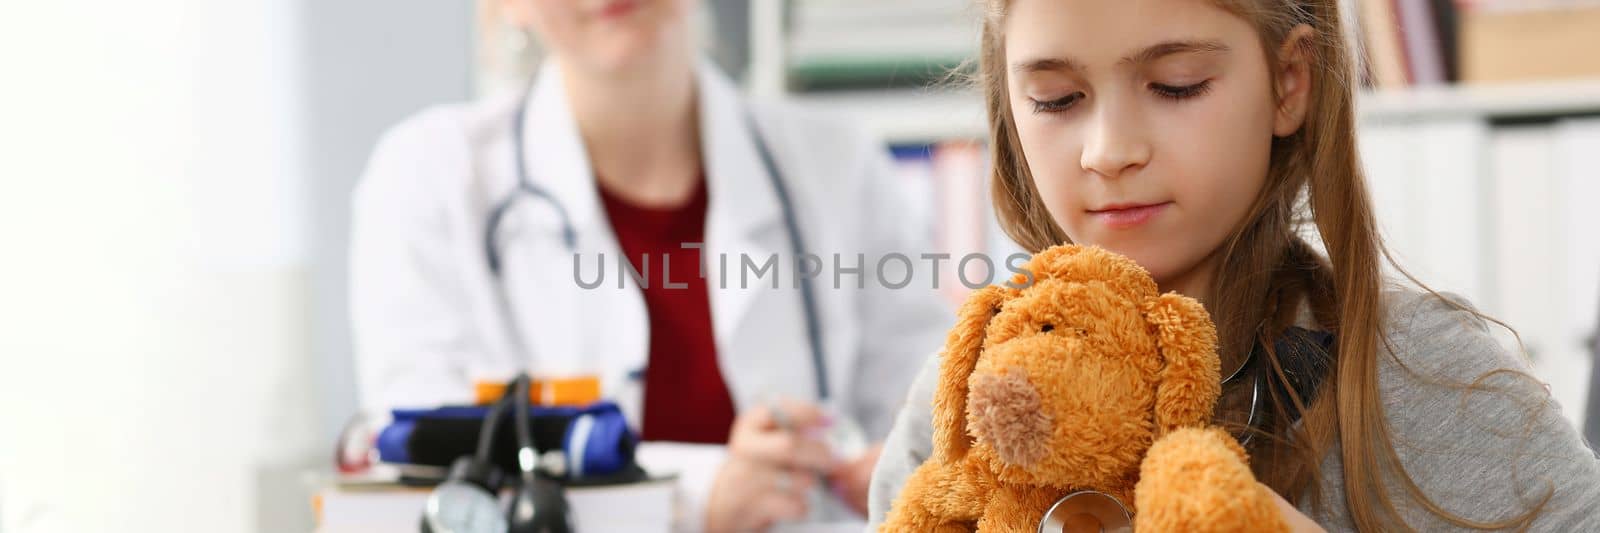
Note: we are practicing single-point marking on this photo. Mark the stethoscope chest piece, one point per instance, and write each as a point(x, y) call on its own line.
point(1087, 511)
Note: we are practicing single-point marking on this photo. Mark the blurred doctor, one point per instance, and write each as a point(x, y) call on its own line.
point(469, 218)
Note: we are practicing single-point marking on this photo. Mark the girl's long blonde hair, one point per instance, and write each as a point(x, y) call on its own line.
point(1270, 271)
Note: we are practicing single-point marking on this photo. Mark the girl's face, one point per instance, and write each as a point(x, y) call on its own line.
point(1147, 124)
point(605, 36)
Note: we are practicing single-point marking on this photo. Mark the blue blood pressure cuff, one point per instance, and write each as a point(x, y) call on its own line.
point(594, 440)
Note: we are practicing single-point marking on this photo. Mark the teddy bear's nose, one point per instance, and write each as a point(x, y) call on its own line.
point(1004, 411)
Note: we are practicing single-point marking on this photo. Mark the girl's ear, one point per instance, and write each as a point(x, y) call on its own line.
point(960, 357)
point(1190, 377)
point(1293, 80)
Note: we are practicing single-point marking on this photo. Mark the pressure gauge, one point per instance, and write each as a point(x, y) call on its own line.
point(462, 507)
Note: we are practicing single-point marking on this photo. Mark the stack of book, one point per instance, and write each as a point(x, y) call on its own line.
point(845, 44)
point(1429, 42)
point(948, 183)
point(362, 506)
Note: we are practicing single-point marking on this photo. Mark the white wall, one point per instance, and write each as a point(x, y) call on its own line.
point(155, 338)
point(366, 64)
point(173, 183)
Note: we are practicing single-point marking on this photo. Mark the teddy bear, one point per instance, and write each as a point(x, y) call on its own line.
point(1078, 375)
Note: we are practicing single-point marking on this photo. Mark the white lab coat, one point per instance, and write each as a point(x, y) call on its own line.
point(429, 318)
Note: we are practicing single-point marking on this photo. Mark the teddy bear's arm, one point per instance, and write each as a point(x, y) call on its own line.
point(1199, 480)
point(941, 497)
point(1017, 509)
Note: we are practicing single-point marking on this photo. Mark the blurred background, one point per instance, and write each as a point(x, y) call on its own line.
point(177, 177)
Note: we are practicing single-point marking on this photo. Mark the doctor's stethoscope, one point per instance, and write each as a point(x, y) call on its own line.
point(526, 187)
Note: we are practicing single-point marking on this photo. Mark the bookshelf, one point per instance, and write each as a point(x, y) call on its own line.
point(920, 115)
point(1494, 102)
point(905, 115)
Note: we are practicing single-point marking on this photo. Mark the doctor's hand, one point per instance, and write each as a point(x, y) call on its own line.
point(851, 478)
point(772, 465)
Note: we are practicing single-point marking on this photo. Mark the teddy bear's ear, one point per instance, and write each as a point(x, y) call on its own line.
point(960, 357)
point(1189, 383)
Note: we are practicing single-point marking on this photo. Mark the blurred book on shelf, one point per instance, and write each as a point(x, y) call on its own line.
point(1380, 39)
point(1408, 43)
point(913, 165)
point(847, 44)
point(372, 506)
point(959, 176)
point(1530, 40)
point(949, 180)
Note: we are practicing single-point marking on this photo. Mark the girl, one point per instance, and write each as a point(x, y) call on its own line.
point(470, 218)
point(1183, 134)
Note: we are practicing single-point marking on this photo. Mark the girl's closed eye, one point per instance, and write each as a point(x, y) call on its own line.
point(1181, 92)
point(1056, 105)
point(1168, 91)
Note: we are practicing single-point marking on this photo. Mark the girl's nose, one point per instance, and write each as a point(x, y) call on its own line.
point(1115, 143)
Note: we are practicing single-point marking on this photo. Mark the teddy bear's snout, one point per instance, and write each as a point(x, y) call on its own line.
point(1005, 412)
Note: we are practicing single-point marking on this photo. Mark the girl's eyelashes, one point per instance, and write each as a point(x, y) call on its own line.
point(1057, 105)
point(1180, 92)
point(1174, 92)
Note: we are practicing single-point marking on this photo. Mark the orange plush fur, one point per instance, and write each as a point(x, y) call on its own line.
point(1088, 379)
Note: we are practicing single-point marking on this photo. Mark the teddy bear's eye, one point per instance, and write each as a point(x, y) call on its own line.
point(1047, 328)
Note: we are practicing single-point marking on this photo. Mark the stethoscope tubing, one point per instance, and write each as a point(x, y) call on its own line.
point(526, 186)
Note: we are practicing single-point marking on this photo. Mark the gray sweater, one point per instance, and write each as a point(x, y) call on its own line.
point(1478, 454)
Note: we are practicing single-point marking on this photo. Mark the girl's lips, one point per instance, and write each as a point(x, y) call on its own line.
point(1128, 216)
point(618, 9)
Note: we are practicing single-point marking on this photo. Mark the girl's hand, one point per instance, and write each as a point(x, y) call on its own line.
point(1298, 522)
